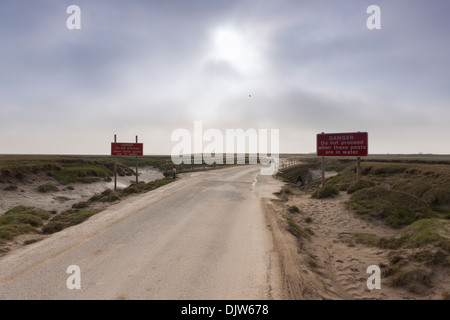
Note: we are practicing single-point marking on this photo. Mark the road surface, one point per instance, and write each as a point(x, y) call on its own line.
point(201, 237)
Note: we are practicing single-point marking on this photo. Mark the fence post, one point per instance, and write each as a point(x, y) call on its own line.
point(323, 171)
point(115, 167)
point(358, 169)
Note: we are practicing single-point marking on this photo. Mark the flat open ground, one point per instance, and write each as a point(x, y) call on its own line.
point(201, 237)
point(227, 234)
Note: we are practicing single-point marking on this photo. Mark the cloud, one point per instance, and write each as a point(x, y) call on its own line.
point(154, 66)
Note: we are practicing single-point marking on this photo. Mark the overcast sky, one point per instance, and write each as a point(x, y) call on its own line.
point(147, 68)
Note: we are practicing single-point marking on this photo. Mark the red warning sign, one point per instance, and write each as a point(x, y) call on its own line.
point(353, 144)
point(127, 149)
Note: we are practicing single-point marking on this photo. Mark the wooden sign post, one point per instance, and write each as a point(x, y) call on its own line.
point(137, 174)
point(323, 171)
point(358, 169)
point(115, 167)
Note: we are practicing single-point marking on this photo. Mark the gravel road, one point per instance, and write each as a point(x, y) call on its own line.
point(201, 237)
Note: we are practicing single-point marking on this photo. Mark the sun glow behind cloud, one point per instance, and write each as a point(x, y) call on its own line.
point(241, 49)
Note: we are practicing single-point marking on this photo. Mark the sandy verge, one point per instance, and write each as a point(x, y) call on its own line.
point(331, 264)
point(27, 194)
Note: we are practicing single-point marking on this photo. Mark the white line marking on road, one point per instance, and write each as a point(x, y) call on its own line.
point(254, 183)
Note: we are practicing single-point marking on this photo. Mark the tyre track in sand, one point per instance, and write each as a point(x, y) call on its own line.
point(329, 263)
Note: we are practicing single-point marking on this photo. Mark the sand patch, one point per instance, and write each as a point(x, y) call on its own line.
point(27, 193)
point(331, 258)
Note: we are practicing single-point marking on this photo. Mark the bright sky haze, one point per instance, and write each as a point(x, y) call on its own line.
point(147, 68)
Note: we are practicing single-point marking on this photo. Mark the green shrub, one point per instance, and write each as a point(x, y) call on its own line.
point(134, 188)
point(20, 220)
point(325, 192)
point(293, 209)
point(106, 192)
point(419, 234)
point(48, 187)
point(113, 196)
point(362, 184)
point(87, 179)
point(388, 169)
point(44, 215)
point(53, 227)
point(81, 205)
point(296, 230)
point(395, 208)
point(11, 187)
point(365, 239)
point(157, 183)
point(68, 218)
point(82, 171)
point(412, 278)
